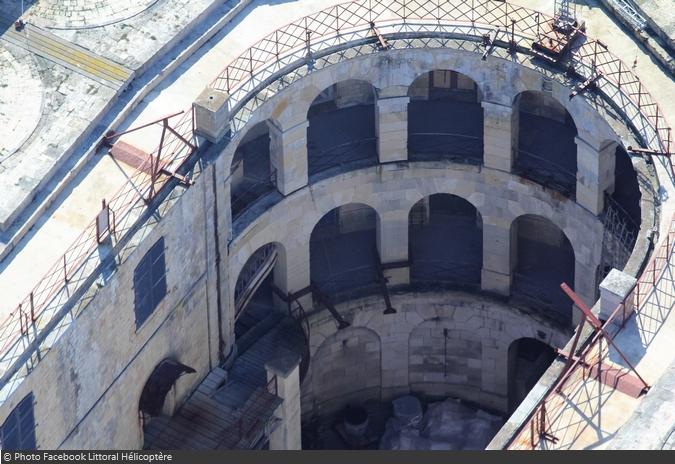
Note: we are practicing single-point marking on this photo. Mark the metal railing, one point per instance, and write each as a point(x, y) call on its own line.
point(30, 330)
point(347, 284)
point(545, 172)
point(543, 425)
point(253, 274)
point(358, 28)
point(459, 148)
point(540, 298)
point(253, 418)
point(343, 156)
point(455, 274)
point(297, 312)
point(244, 198)
point(338, 33)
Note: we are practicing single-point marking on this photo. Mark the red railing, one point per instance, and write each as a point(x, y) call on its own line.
point(310, 39)
point(315, 40)
point(547, 425)
point(24, 328)
point(253, 418)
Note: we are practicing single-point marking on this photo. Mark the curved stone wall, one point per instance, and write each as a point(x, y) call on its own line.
point(436, 344)
point(391, 190)
point(391, 74)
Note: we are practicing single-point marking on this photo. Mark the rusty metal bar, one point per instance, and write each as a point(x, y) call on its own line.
point(598, 326)
point(115, 135)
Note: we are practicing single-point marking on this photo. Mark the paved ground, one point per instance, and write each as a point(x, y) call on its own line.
point(77, 73)
point(20, 100)
point(661, 16)
point(77, 13)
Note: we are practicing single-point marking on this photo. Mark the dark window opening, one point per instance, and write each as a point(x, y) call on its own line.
point(528, 360)
point(545, 150)
point(341, 135)
point(446, 243)
point(445, 118)
point(18, 430)
point(149, 282)
point(159, 384)
point(343, 248)
point(544, 258)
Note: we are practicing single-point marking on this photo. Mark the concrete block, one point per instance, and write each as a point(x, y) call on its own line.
point(211, 114)
point(614, 290)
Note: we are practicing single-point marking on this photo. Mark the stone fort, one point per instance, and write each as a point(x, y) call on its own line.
point(387, 224)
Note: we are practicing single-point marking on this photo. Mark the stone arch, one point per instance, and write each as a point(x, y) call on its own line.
point(341, 131)
point(528, 359)
point(253, 169)
point(346, 368)
point(458, 136)
point(542, 257)
point(544, 138)
point(253, 297)
point(626, 187)
point(343, 246)
point(445, 242)
point(155, 398)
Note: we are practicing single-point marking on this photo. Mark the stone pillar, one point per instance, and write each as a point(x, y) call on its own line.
point(392, 244)
point(286, 368)
point(595, 172)
point(392, 128)
point(292, 271)
point(497, 262)
point(211, 114)
point(613, 291)
point(223, 235)
point(499, 126)
point(584, 286)
point(288, 156)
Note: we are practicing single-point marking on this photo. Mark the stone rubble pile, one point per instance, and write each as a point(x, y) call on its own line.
point(446, 425)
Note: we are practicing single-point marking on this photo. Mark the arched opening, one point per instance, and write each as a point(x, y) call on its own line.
point(545, 150)
point(621, 216)
point(158, 394)
point(343, 252)
point(627, 189)
point(445, 118)
point(542, 258)
point(528, 360)
point(254, 299)
point(446, 242)
point(251, 173)
point(341, 133)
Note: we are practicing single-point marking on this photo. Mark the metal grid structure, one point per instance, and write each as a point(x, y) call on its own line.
point(362, 26)
point(554, 422)
point(38, 321)
point(334, 34)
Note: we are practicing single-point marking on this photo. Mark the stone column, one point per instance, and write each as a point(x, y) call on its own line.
point(500, 123)
point(211, 114)
point(595, 172)
point(392, 244)
point(223, 235)
point(584, 286)
point(288, 156)
point(286, 368)
point(614, 290)
point(292, 272)
point(497, 262)
point(392, 128)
